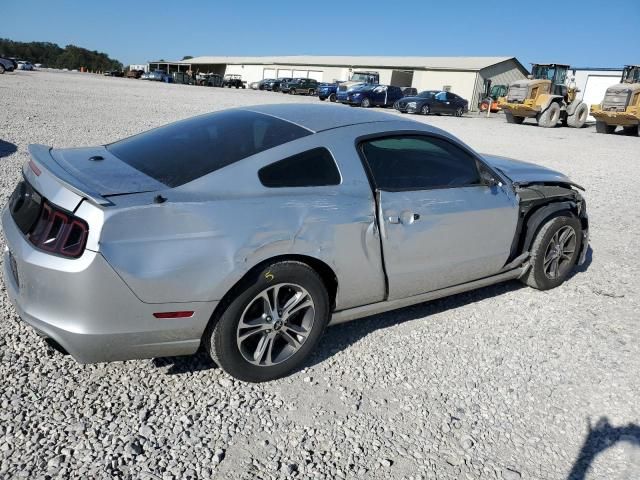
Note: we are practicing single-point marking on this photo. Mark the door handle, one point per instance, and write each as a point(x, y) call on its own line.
point(406, 218)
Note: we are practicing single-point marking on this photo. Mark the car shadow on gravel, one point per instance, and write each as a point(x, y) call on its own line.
point(7, 148)
point(601, 437)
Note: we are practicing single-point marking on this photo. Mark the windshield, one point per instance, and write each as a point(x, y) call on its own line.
point(631, 75)
point(361, 77)
point(183, 151)
point(427, 94)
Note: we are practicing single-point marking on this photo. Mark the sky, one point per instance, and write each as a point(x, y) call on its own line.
point(579, 33)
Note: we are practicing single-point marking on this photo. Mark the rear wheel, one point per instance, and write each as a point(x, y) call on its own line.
point(602, 127)
point(579, 117)
point(554, 252)
point(292, 92)
point(550, 117)
point(332, 97)
point(425, 110)
point(272, 324)
point(311, 92)
point(459, 111)
point(1, 69)
point(631, 130)
point(513, 119)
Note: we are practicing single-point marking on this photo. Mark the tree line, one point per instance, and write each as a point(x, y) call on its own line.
point(53, 56)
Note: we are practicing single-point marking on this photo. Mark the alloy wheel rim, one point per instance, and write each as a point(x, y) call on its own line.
point(425, 109)
point(275, 324)
point(559, 252)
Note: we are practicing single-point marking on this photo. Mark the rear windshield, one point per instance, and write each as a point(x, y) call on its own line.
point(183, 151)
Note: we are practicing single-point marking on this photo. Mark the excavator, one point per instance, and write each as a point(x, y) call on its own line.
point(621, 104)
point(546, 96)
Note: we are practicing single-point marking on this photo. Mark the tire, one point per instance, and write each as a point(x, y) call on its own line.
point(425, 110)
point(242, 358)
point(550, 117)
point(545, 272)
point(2, 69)
point(513, 119)
point(631, 130)
point(332, 98)
point(579, 117)
point(459, 111)
point(366, 103)
point(602, 127)
point(312, 92)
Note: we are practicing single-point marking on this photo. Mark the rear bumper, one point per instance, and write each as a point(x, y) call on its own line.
point(85, 306)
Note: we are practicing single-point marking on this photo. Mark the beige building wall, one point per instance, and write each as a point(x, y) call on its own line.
point(461, 83)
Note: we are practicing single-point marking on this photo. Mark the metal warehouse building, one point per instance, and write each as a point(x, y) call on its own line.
point(466, 76)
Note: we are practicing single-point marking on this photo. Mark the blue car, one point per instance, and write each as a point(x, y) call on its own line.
point(327, 90)
point(372, 96)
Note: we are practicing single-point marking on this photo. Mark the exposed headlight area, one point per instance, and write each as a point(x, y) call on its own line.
point(412, 104)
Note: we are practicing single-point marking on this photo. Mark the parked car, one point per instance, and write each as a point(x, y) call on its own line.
point(134, 73)
point(372, 96)
point(327, 91)
point(253, 251)
point(6, 65)
point(260, 85)
point(24, 65)
point(159, 76)
point(233, 81)
point(300, 86)
point(274, 85)
point(111, 73)
point(433, 101)
point(145, 76)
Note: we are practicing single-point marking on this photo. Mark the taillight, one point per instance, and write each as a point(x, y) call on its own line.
point(59, 232)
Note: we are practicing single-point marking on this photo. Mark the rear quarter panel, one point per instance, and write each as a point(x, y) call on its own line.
point(211, 232)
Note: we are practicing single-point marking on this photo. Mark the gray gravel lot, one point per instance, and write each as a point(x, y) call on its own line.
point(500, 383)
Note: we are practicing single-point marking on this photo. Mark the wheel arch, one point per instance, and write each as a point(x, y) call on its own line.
point(541, 215)
point(327, 275)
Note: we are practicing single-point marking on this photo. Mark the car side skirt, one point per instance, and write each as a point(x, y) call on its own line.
point(380, 307)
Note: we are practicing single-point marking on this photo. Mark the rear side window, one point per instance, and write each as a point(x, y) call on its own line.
point(419, 163)
point(183, 151)
point(314, 168)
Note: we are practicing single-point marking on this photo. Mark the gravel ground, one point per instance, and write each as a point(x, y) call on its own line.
point(501, 383)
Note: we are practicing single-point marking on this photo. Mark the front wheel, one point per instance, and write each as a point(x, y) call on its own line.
point(366, 103)
point(554, 252)
point(332, 97)
point(579, 117)
point(425, 110)
point(550, 117)
point(273, 323)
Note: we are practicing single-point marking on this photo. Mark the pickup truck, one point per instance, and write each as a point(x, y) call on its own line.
point(357, 78)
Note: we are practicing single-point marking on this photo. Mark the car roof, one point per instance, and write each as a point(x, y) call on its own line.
point(323, 117)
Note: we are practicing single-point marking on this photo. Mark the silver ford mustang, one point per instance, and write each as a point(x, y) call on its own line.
point(250, 230)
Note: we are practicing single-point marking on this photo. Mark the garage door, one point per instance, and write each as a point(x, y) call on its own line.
point(316, 75)
point(299, 74)
point(269, 73)
point(283, 72)
point(595, 89)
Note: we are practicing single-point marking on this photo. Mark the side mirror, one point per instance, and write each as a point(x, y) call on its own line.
point(488, 179)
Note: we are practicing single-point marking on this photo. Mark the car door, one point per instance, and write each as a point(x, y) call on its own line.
point(440, 224)
point(378, 95)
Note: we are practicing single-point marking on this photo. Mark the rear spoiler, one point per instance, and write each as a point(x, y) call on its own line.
point(41, 156)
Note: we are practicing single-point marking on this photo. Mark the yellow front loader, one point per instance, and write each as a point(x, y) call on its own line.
point(621, 104)
point(547, 97)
